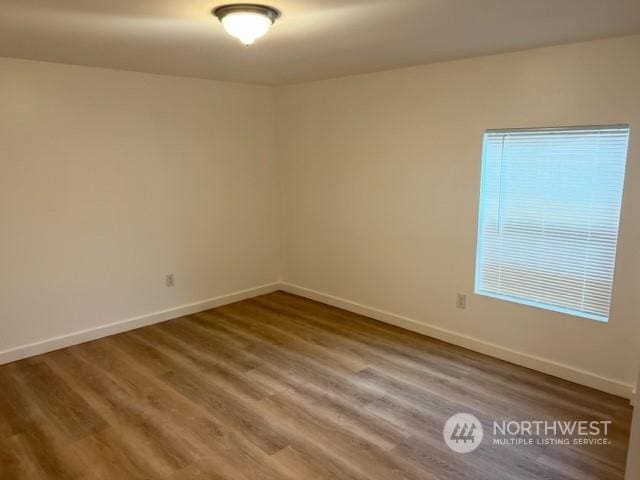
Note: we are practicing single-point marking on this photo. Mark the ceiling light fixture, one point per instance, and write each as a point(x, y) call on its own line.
point(246, 21)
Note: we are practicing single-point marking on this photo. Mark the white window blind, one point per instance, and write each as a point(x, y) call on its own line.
point(549, 214)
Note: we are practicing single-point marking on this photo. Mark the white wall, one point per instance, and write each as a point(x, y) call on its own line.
point(110, 179)
point(381, 179)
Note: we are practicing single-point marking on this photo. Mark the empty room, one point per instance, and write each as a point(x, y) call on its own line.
point(320, 240)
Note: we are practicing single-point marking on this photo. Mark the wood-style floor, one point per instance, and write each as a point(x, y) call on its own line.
point(280, 387)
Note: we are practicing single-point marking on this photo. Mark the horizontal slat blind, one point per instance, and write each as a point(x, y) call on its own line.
point(549, 214)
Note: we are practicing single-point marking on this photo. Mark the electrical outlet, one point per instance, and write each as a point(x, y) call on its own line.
point(461, 301)
point(170, 280)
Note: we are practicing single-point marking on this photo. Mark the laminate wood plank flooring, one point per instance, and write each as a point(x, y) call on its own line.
point(281, 387)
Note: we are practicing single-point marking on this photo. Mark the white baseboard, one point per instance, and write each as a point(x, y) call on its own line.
point(82, 336)
point(565, 372)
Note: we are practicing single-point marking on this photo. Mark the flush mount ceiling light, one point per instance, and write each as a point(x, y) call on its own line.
point(246, 21)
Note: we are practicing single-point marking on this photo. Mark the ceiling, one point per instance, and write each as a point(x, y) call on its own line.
point(314, 39)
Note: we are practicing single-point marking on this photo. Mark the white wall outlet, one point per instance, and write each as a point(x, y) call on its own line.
point(461, 301)
point(170, 280)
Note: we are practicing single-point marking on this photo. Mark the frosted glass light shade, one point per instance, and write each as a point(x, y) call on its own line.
point(246, 26)
point(246, 22)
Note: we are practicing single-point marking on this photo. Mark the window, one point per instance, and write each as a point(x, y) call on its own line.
point(549, 214)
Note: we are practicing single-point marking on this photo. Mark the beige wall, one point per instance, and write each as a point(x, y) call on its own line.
point(109, 180)
point(381, 178)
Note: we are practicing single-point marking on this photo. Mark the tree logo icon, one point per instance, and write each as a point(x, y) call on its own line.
point(463, 433)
